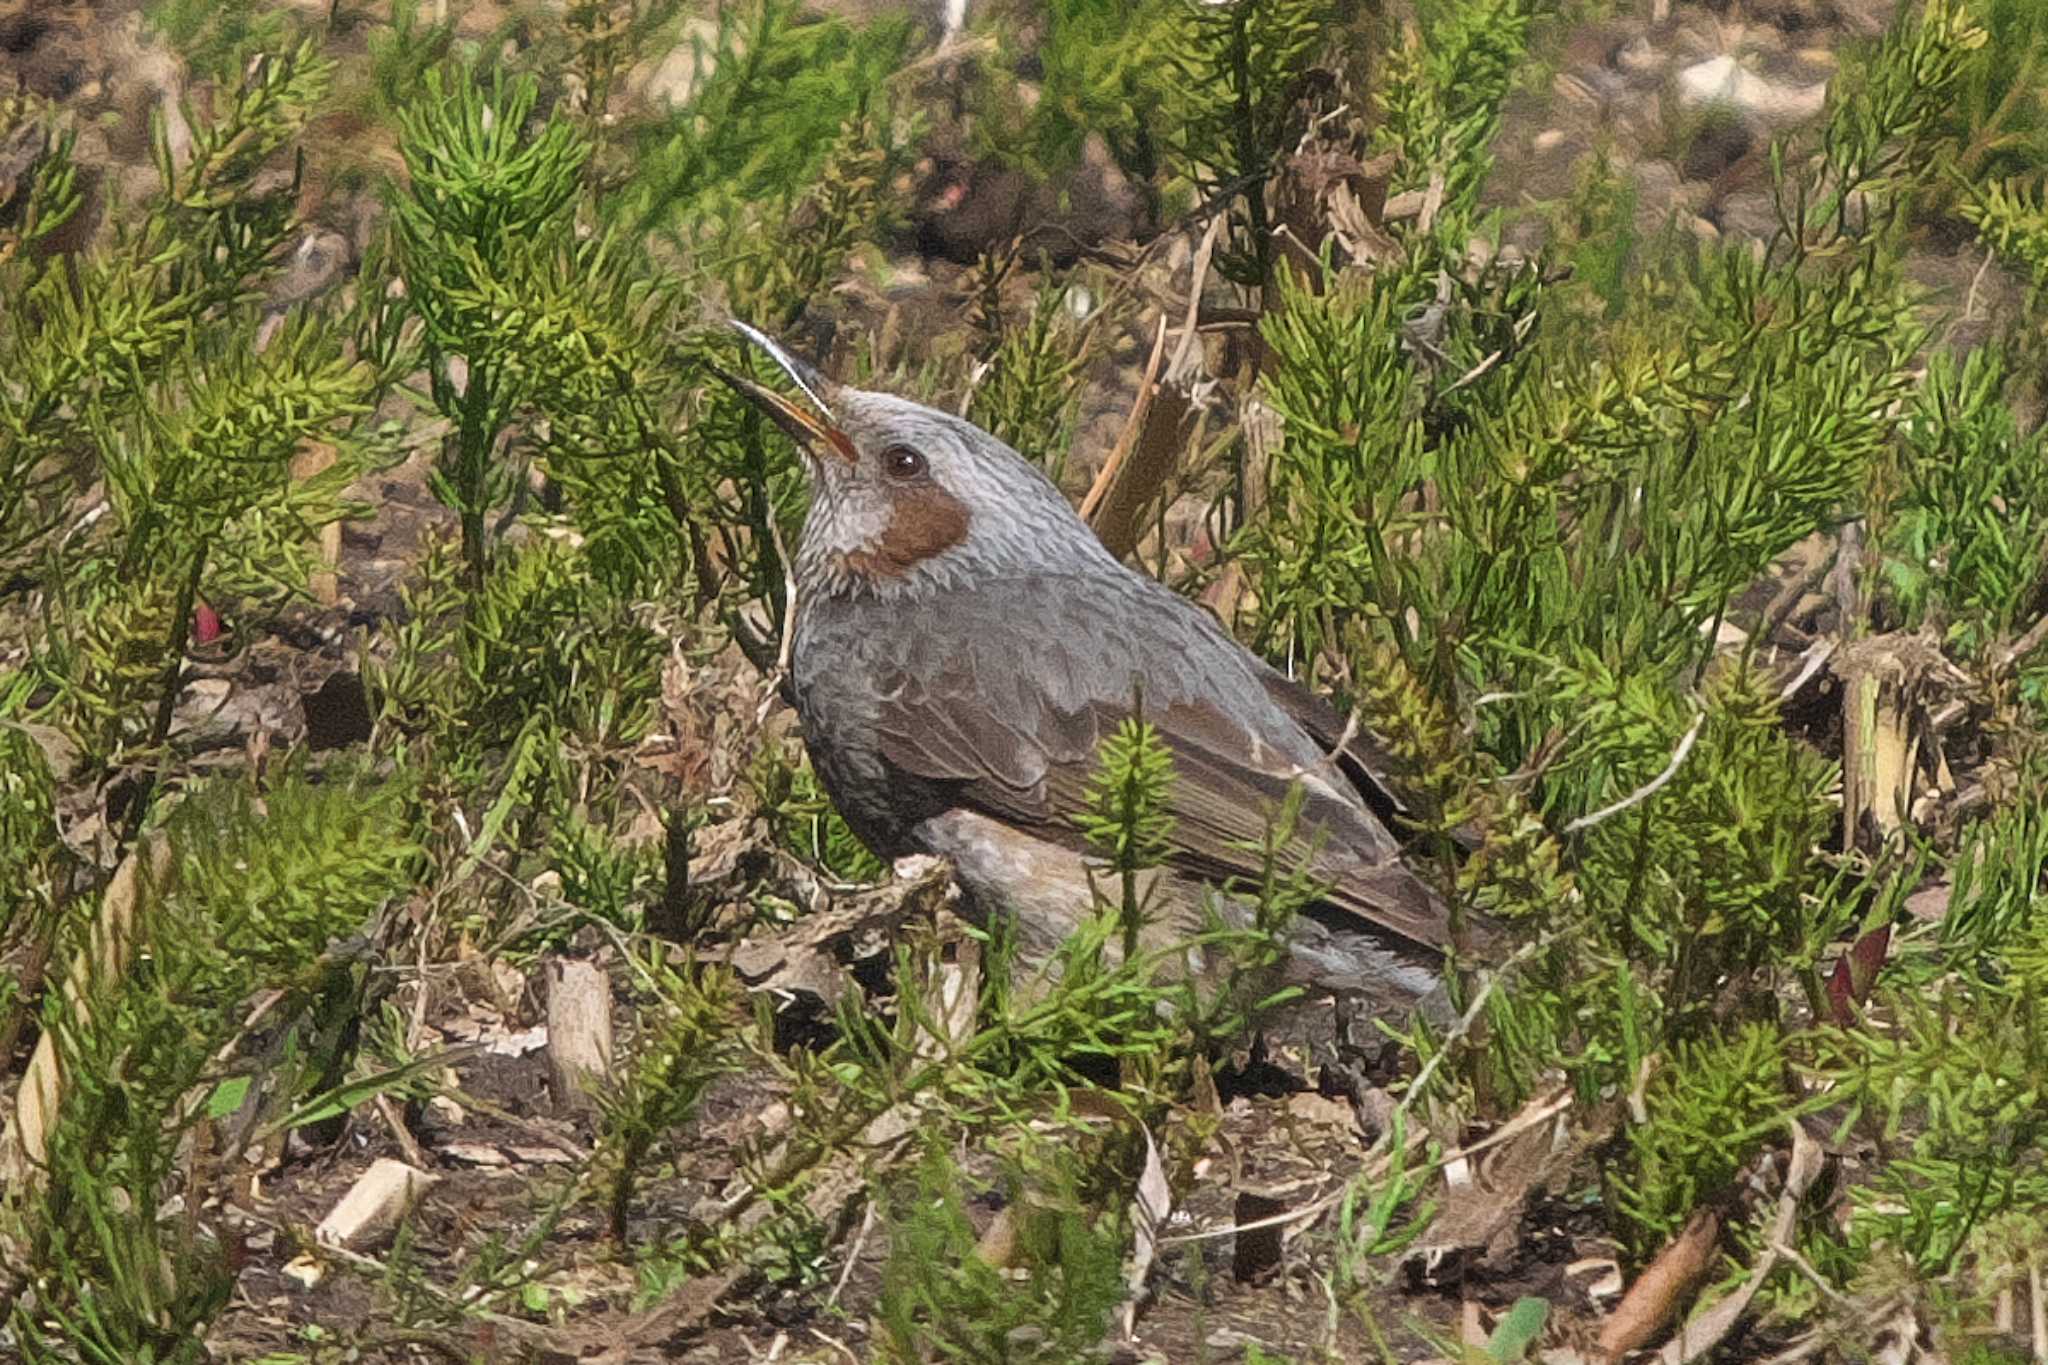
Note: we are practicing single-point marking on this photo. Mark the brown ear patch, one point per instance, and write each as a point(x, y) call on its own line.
point(926, 520)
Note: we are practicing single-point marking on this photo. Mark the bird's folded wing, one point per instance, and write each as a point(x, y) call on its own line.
point(1358, 753)
point(1026, 754)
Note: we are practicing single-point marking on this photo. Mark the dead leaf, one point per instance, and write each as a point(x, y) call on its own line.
point(810, 955)
point(22, 149)
point(1698, 1338)
point(1321, 1110)
point(1929, 904)
point(1901, 1335)
point(119, 927)
point(725, 854)
point(305, 1270)
point(58, 751)
point(1658, 1291)
point(1471, 1330)
point(541, 1156)
point(1480, 1215)
point(1598, 1277)
point(489, 1034)
point(1151, 1206)
point(474, 1153)
point(998, 1242)
point(1143, 459)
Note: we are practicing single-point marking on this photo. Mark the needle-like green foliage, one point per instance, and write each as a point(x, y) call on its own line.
point(1243, 71)
point(1529, 513)
point(1127, 818)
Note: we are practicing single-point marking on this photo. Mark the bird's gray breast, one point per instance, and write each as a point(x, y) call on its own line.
point(848, 662)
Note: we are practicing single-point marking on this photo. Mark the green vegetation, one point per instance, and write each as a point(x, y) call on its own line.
point(1693, 588)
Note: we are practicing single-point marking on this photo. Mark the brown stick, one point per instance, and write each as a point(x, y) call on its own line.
point(1128, 437)
point(25, 1146)
point(579, 1032)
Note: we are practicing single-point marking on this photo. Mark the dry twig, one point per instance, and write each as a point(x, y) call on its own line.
point(1650, 788)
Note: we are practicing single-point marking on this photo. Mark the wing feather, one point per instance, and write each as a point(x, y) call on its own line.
point(1012, 731)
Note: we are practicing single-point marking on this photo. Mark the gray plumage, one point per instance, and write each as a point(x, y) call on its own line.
point(964, 642)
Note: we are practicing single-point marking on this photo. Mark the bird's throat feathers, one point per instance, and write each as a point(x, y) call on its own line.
point(884, 546)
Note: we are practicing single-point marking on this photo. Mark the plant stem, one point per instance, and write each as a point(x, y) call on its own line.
point(473, 449)
point(167, 693)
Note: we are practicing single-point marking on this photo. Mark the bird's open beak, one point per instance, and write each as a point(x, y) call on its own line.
point(816, 432)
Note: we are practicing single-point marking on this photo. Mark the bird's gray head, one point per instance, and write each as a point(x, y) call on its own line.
point(907, 499)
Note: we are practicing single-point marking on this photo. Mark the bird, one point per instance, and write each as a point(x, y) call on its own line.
point(962, 645)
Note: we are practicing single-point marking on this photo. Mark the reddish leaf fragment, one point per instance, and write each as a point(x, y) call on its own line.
point(1856, 972)
point(206, 624)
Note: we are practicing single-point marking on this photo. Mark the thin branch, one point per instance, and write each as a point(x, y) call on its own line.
point(1790, 596)
point(1474, 373)
point(2022, 647)
point(860, 1241)
point(1098, 492)
point(1320, 1204)
point(1977, 283)
point(1785, 1249)
point(1466, 1022)
point(1816, 659)
point(1333, 761)
point(1416, 1132)
point(1198, 273)
point(1650, 789)
point(1495, 698)
point(2007, 658)
point(169, 688)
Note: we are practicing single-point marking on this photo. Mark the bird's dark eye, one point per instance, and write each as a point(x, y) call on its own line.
point(901, 462)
